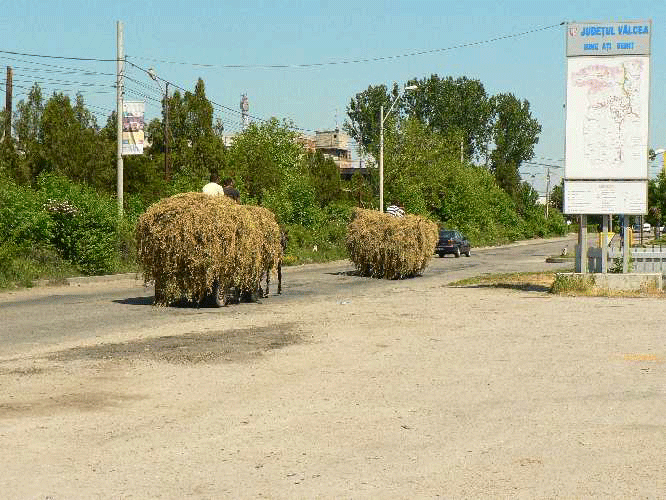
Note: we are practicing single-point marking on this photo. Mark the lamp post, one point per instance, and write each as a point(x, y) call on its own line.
point(659, 152)
point(167, 169)
point(381, 143)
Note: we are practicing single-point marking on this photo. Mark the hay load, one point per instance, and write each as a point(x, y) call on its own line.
point(191, 242)
point(383, 246)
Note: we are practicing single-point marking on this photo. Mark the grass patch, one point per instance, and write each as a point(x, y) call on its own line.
point(21, 266)
point(526, 281)
point(585, 286)
point(555, 283)
point(573, 284)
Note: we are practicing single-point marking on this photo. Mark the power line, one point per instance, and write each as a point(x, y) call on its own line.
point(71, 68)
point(356, 61)
point(541, 164)
point(27, 54)
point(54, 87)
point(222, 106)
point(549, 159)
point(56, 80)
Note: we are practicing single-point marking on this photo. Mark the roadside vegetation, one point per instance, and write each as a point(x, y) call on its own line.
point(553, 283)
point(452, 155)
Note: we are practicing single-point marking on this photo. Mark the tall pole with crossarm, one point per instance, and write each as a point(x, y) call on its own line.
point(381, 144)
point(119, 114)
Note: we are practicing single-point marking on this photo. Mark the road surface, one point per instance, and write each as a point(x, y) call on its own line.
point(47, 316)
point(343, 387)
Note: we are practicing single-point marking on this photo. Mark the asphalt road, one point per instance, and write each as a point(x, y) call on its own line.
point(36, 318)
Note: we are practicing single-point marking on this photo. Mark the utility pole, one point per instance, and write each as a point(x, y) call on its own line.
point(381, 158)
point(120, 68)
point(547, 190)
point(245, 107)
point(8, 106)
point(167, 159)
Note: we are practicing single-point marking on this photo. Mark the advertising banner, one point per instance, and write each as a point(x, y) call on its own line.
point(133, 124)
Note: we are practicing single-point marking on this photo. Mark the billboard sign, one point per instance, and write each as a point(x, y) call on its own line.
point(133, 125)
point(607, 117)
point(613, 197)
point(609, 39)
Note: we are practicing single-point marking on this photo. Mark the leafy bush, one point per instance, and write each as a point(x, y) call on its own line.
point(20, 265)
point(84, 223)
point(22, 215)
point(572, 283)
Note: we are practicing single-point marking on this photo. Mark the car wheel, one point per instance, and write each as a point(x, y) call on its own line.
point(441, 254)
point(457, 252)
point(469, 250)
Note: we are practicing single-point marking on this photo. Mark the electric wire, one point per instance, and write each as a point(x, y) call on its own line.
point(541, 164)
point(261, 66)
point(28, 54)
point(57, 66)
point(221, 106)
point(59, 81)
point(356, 61)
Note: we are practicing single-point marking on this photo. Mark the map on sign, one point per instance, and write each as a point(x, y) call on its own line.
point(607, 117)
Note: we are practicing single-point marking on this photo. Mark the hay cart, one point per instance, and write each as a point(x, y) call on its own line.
point(207, 248)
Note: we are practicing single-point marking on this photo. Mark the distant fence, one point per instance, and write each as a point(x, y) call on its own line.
point(644, 260)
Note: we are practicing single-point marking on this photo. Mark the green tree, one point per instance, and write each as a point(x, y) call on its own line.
point(526, 199)
point(363, 112)
point(325, 177)
point(72, 145)
point(360, 191)
point(556, 198)
point(514, 133)
point(196, 146)
point(416, 165)
point(262, 155)
point(27, 129)
point(657, 198)
point(453, 106)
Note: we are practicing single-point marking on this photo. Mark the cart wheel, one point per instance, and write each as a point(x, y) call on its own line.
point(224, 297)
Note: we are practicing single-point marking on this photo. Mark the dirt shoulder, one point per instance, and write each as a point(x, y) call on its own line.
point(423, 390)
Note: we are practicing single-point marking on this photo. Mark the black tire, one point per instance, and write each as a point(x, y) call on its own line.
point(457, 252)
point(441, 254)
point(468, 252)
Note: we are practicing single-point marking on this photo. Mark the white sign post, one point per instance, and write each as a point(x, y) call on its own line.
point(607, 120)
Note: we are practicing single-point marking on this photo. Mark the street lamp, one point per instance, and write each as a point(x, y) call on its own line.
point(381, 143)
point(153, 75)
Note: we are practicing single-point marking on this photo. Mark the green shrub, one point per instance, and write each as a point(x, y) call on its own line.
point(21, 265)
point(572, 283)
point(22, 215)
point(85, 224)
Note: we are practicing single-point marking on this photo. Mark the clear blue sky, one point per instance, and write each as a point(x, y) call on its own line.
point(299, 32)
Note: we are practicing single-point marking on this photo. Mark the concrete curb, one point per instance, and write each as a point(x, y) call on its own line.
point(529, 242)
point(81, 280)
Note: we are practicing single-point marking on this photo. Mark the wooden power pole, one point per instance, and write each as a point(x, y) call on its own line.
point(167, 160)
point(8, 105)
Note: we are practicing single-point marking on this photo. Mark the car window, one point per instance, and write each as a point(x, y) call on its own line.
point(447, 234)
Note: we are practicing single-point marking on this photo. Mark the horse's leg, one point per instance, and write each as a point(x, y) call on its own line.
point(279, 277)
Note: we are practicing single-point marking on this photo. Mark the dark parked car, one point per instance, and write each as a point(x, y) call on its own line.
point(452, 242)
